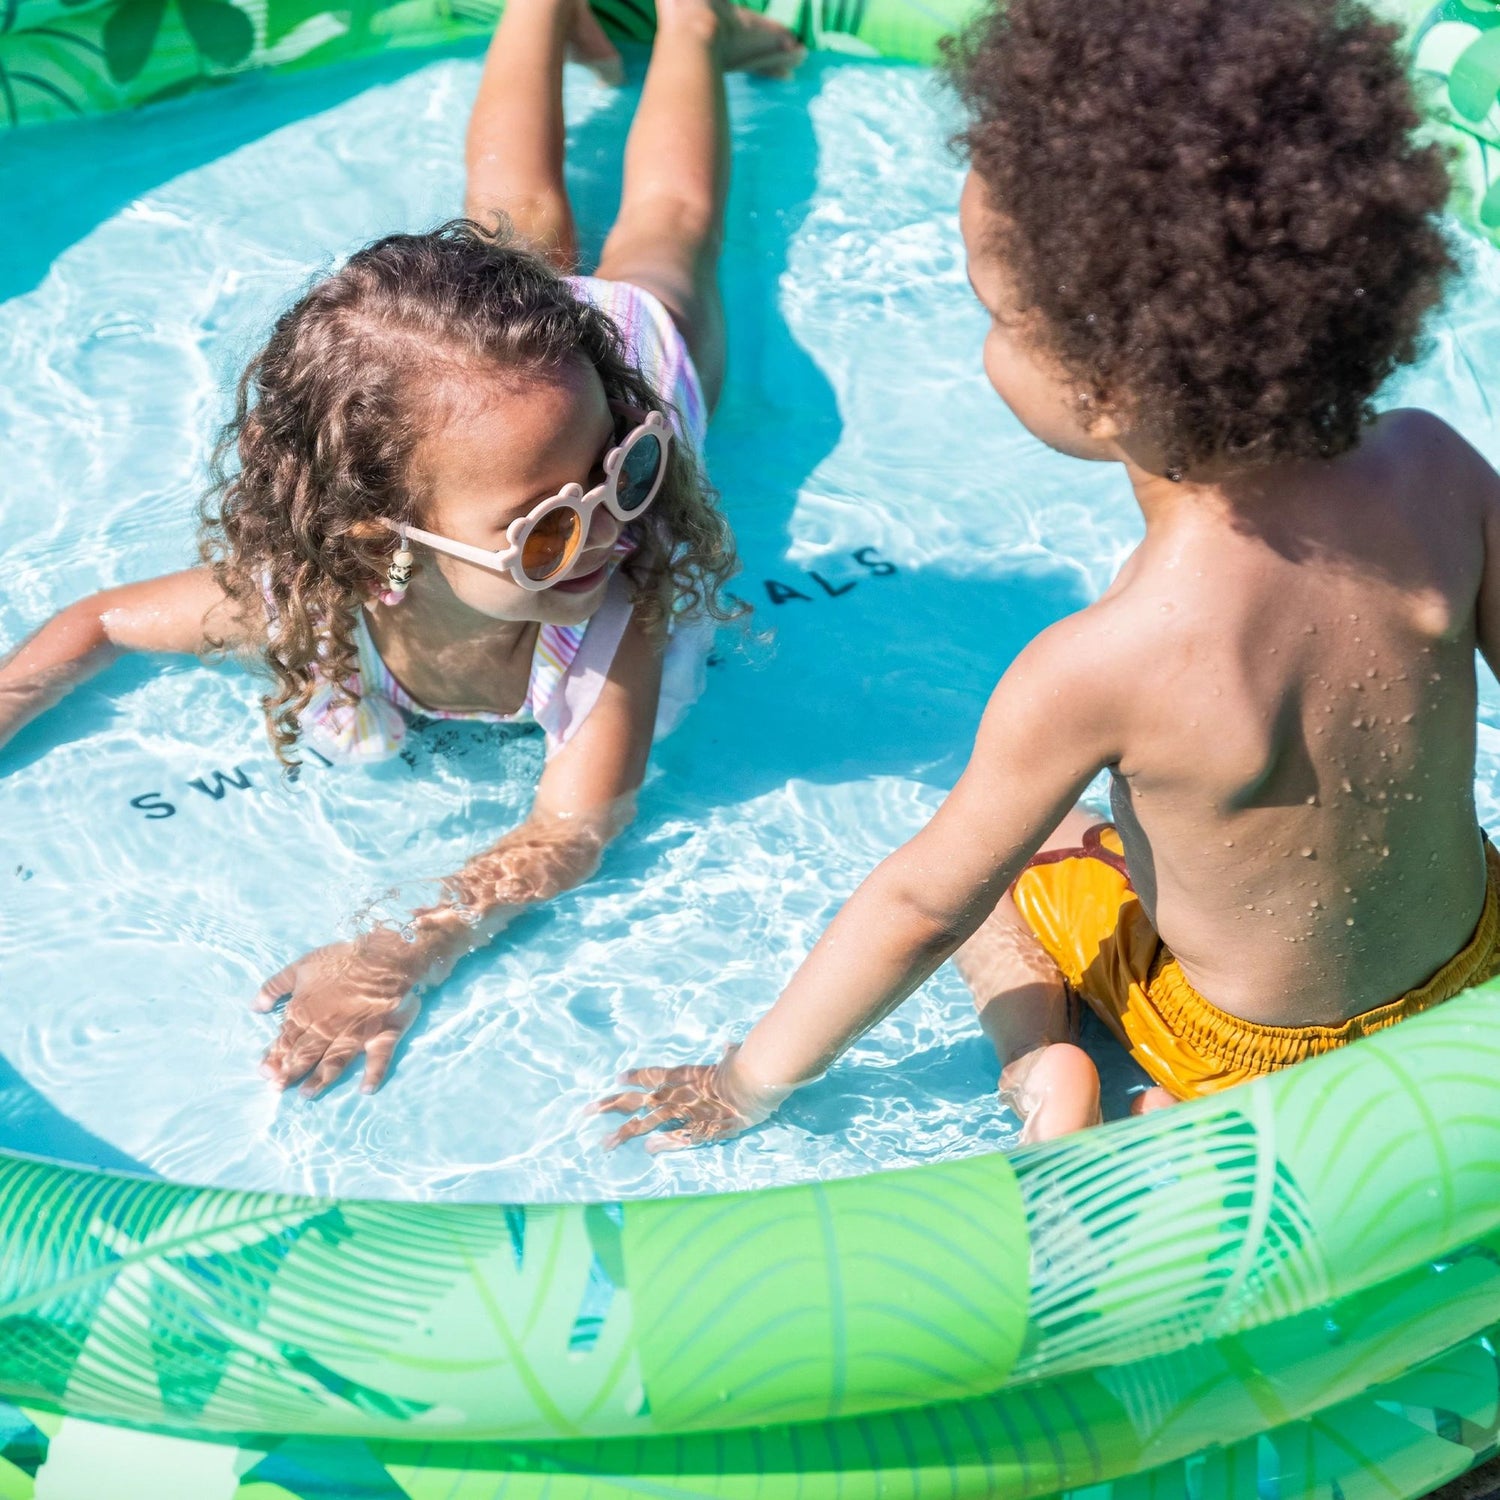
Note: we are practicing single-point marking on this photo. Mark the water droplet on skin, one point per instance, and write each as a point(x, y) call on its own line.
point(1315, 904)
point(1348, 889)
point(1272, 651)
point(1356, 723)
point(1407, 718)
point(1309, 630)
point(1348, 921)
point(1313, 800)
point(1346, 785)
point(1229, 843)
point(1369, 671)
point(1385, 851)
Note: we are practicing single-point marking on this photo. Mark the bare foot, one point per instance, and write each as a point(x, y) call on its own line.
point(752, 43)
point(1054, 1089)
point(587, 44)
point(1150, 1100)
point(743, 40)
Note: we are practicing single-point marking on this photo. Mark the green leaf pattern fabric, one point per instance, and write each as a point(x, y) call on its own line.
point(1292, 1289)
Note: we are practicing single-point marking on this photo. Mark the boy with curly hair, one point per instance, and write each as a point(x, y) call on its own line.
point(1206, 235)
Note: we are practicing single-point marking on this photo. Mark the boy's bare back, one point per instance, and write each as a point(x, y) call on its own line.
point(1296, 681)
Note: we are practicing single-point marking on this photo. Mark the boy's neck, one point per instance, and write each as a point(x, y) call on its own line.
point(1162, 500)
point(1258, 493)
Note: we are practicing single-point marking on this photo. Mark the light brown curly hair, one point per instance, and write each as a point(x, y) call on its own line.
point(1220, 212)
point(318, 454)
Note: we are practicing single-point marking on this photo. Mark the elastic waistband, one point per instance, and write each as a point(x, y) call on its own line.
point(1255, 1048)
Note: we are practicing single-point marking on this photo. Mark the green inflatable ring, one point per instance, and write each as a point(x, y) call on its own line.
point(1290, 1290)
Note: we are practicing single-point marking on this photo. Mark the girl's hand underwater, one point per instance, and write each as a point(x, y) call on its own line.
point(706, 1102)
point(345, 999)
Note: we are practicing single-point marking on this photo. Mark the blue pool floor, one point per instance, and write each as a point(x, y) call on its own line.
point(902, 539)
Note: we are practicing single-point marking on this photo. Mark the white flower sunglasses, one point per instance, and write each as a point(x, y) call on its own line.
point(542, 547)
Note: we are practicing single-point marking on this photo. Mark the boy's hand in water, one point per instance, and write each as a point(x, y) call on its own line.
point(345, 999)
point(705, 1102)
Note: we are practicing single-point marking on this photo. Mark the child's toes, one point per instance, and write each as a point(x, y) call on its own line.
point(588, 44)
point(754, 43)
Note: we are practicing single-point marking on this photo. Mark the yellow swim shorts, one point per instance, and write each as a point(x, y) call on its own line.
point(1081, 906)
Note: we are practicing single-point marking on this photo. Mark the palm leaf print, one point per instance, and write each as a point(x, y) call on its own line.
point(1161, 1232)
point(789, 1304)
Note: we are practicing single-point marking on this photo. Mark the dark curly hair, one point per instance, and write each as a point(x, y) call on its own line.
point(1215, 212)
point(318, 453)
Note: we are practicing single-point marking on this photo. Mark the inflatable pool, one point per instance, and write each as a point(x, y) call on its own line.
point(1291, 1292)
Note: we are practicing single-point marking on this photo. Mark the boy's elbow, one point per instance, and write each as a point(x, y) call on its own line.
point(928, 924)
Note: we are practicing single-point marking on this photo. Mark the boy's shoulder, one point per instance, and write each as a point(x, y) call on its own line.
point(1420, 440)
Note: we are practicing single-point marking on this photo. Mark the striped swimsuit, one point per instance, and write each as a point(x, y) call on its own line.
point(368, 720)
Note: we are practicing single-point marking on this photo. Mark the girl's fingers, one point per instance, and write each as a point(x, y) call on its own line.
point(339, 1055)
point(303, 1055)
point(271, 1064)
point(669, 1140)
point(642, 1125)
point(620, 1104)
point(648, 1079)
point(277, 987)
point(378, 1054)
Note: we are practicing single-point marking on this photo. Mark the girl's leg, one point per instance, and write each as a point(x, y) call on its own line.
point(1023, 1006)
point(670, 228)
point(514, 151)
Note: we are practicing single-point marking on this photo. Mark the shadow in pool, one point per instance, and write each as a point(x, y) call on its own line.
point(31, 1124)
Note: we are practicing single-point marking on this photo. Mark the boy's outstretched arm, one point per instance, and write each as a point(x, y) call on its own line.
point(1046, 733)
point(362, 996)
point(182, 612)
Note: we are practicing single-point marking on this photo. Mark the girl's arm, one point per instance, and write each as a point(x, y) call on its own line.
point(362, 996)
point(1042, 740)
point(184, 612)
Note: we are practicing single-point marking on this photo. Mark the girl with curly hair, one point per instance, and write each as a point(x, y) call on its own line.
point(462, 483)
point(1204, 235)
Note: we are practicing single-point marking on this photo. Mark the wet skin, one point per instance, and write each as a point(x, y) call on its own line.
point(1287, 664)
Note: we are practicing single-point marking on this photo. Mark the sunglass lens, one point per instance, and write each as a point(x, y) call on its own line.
point(638, 472)
point(551, 544)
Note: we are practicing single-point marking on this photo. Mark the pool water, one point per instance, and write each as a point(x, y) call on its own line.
point(902, 536)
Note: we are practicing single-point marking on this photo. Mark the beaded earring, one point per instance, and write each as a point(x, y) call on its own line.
point(398, 575)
